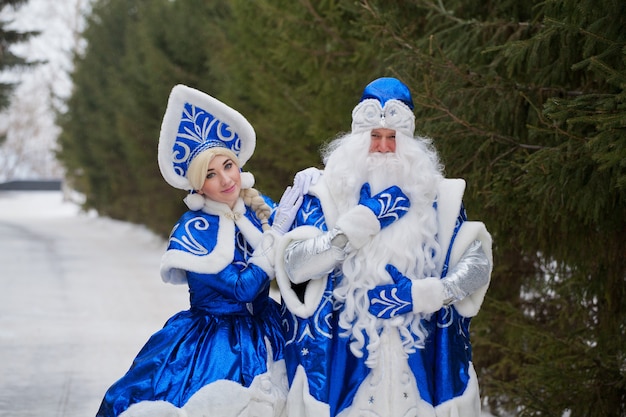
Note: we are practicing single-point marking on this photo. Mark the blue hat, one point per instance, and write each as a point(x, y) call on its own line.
point(194, 122)
point(387, 88)
point(386, 103)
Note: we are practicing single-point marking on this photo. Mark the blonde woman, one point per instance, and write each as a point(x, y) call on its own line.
point(223, 356)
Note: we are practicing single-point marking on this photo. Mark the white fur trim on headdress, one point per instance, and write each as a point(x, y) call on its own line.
point(195, 121)
point(194, 201)
point(247, 180)
point(369, 114)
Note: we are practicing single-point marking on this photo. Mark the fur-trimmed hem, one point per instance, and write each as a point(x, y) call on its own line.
point(265, 397)
point(300, 402)
point(465, 405)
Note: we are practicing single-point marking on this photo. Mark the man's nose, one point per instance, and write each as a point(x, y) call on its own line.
point(385, 146)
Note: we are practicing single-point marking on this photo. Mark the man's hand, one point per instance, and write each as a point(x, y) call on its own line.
point(405, 295)
point(387, 301)
point(388, 205)
point(372, 214)
point(287, 209)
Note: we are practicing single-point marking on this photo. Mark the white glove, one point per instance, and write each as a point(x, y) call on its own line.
point(306, 178)
point(287, 209)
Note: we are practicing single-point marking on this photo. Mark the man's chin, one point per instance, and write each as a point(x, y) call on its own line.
point(383, 171)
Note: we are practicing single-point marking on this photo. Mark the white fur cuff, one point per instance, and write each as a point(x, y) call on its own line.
point(263, 256)
point(314, 289)
point(359, 225)
point(427, 295)
point(470, 231)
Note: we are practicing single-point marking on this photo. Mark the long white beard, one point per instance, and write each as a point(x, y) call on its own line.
point(409, 244)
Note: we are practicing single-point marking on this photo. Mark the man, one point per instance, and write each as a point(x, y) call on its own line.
point(381, 275)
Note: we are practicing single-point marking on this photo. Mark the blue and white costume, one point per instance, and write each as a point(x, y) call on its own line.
point(228, 347)
point(223, 356)
point(319, 361)
point(431, 378)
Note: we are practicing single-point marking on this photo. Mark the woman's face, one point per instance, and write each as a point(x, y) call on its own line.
point(222, 182)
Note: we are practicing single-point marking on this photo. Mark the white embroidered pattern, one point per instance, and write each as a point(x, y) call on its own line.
point(187, 240)
point(369, 114)
point(391, 302)
point(390, 206)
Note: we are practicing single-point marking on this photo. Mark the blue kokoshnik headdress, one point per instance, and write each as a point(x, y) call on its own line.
point(386, 102)
point(194, 122)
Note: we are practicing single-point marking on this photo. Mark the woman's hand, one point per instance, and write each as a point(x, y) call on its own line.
point(291, 200)
point(287, 209)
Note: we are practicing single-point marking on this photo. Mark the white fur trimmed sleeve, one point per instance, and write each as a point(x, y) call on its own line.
point(313, 289)
point(469, 232)
point(359, 224)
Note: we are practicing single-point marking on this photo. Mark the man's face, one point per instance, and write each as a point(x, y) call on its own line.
point(383, 140)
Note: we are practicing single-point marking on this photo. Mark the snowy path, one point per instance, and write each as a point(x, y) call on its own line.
point(79, 297)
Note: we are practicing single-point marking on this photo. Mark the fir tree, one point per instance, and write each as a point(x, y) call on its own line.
point(526, 102)
point(9, 61)
point(121, 86)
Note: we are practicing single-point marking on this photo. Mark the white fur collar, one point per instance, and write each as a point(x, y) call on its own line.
point(222, 209)
point(175, 262)
point(237, 214)
point(321, 190)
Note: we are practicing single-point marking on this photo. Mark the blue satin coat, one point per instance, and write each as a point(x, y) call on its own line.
point(221, 336)
point(334, 374)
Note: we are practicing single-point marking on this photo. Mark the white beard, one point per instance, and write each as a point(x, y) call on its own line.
point(409, 244)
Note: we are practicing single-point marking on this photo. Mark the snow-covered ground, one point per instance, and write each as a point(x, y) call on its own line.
point(79, 296)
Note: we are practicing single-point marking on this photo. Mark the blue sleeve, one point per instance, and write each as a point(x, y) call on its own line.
point(242, 285)
point(310, 214)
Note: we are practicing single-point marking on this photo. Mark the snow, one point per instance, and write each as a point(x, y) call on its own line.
point(80, 296)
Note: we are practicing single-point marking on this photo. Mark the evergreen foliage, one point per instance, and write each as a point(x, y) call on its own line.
point(8, 59)
point(121, 85)
point(292, 74)
point(525, 100)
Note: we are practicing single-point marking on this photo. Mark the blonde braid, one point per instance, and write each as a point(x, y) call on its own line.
point(251, 197)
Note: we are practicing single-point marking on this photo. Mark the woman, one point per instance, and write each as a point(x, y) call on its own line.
point(223, 356)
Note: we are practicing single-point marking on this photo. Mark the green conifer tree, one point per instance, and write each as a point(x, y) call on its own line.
point(90, 147)
point(526, 102)
point(121, 85)
point(8, 59)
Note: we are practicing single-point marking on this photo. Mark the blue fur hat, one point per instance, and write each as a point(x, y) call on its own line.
point(387, 88)
point(194, 122)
